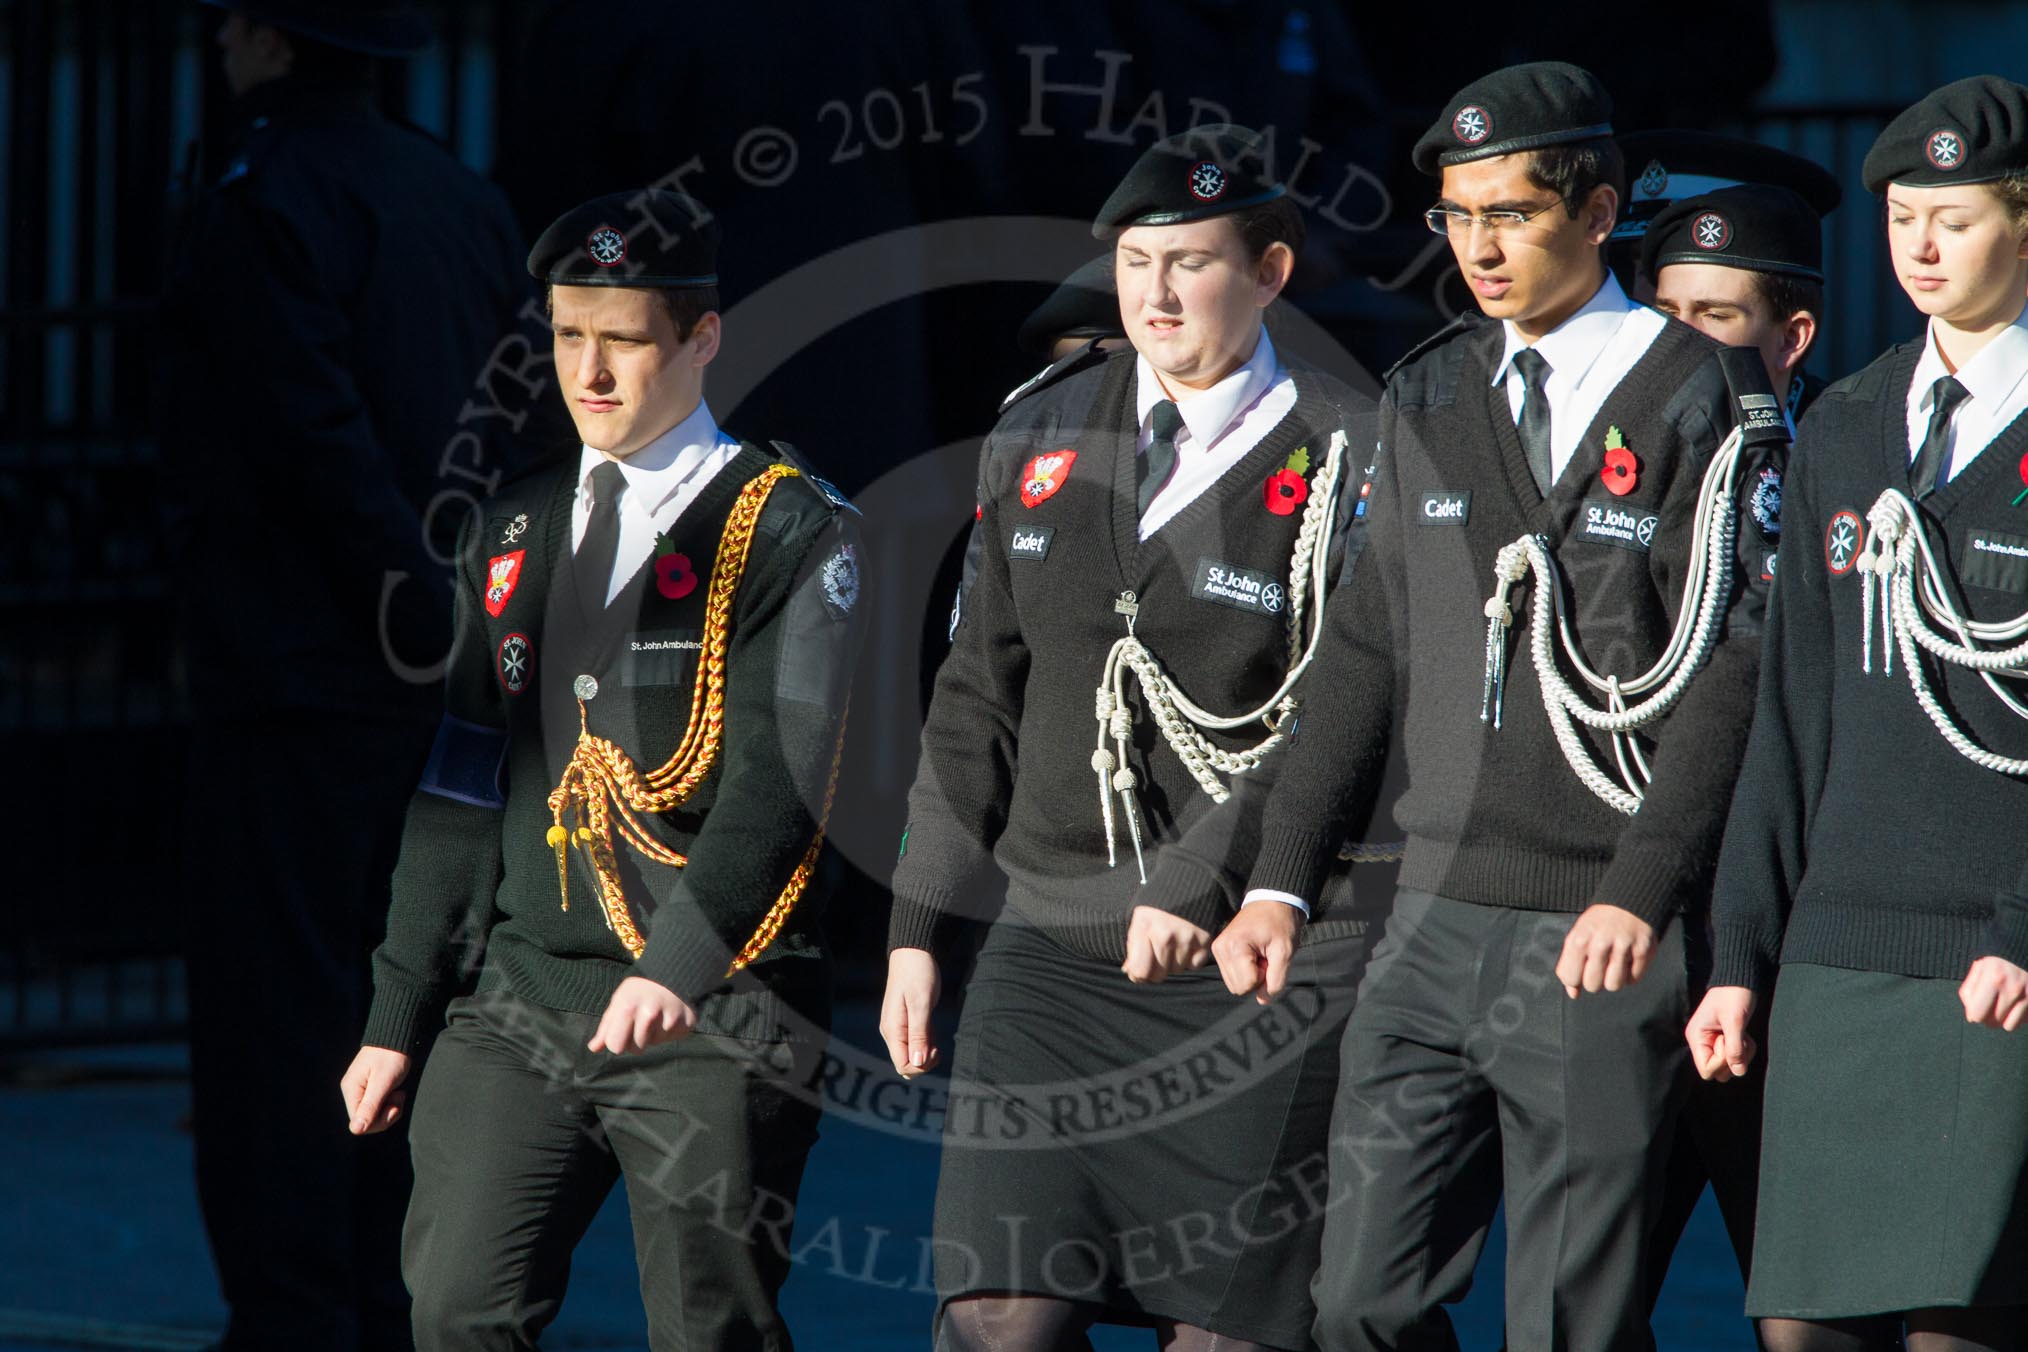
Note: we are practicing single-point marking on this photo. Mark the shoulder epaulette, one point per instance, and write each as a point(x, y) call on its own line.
point(1067, 365)
point(1464, 323)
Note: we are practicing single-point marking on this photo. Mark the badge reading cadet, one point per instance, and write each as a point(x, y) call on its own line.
point(1842, 538)
point(840, 576)
point(1286, 489)
point(607, 247)
point(512, 662)
point(1043, 475)
point(1767, 502)
point(1472, 125)
point(516, 528)
point(1622, 470)
point(503, 573)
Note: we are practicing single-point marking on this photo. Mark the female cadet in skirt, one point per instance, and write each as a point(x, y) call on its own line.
point(1877, 851)
point(1158, 532)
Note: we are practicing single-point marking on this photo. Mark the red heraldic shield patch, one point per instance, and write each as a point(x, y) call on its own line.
point(502, 573)
point(1044, 475)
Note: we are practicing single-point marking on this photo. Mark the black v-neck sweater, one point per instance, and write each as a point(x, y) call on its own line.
point(1496, 816)
point(476, 891)
point(1859, 837)
point(1005, 776)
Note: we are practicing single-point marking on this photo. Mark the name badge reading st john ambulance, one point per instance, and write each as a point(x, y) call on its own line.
point(1609, 523)
point(1995, 560)
point(1240, 588)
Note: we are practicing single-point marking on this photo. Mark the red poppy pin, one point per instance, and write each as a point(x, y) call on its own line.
point(503, 572)
point(674, 577)
point(2021, 469)
point(1043, 475)
point(1622, 470)
point(1286, 489)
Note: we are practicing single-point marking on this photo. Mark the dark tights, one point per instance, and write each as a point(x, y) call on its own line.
point(1937, 1330)
point(1045, 1324)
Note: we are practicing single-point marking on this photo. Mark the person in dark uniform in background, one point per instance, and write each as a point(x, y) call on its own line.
point(1177, 508)
point(624, 806)
point(1666, 168)
point(331, 297)
point(1875, 872)
point(1745, 265)
point(1572, 440)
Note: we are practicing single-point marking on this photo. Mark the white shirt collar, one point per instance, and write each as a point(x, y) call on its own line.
point(1990, 377)
point(1209, 414)
point(1572, 346)
point(659, 469)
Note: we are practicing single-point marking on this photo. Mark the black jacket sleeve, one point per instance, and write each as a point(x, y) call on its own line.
point(1347, 697)
point(1782, 779)
point(449, 866)
point(1662, 861)
point(965, 774)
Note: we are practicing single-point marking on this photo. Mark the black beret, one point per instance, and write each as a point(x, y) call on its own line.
point(1754, 226)
point(651, 238)
point(1668, 166)
point(1970, 131)
point(369, 27)
point(1206, 171)
point(1543, 103)
point(1085, 306)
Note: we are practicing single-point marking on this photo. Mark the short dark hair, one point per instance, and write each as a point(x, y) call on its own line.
point(684, 305)
point(1573, 169)
point(1788, 296)
point(1277, 222)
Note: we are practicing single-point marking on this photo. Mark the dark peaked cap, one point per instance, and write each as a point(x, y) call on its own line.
point(1755, 226)
point(370, 27)
point(651, 238)
point(1669, 165)
point(1206, 171)
point(1542, 103)
point(1084, 306)
point(1970, 131)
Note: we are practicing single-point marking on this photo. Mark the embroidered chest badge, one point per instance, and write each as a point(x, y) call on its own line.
point(1843, 538)
point(1767, 502)
point(1286, 489)
point(674, 577)
point(1044, 475)
point(841, 581)
point(1622, 470)
point(503, 574)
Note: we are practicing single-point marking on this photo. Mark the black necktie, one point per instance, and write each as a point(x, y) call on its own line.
point(1159, 461)
point(593, 565)
point(1534, 425)
point(1928, 470)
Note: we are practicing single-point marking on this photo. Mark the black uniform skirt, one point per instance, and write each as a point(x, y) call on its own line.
point(1894, 1156)
point(1157, 1151)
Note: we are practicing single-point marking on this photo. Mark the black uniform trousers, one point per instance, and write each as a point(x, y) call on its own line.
point(519, 1134)
point(1465, 1068)
point(293, 822)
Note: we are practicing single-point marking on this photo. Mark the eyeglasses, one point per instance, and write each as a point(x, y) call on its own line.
point(1449, 221)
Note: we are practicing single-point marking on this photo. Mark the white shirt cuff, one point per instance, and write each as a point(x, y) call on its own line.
point(1269, 894)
